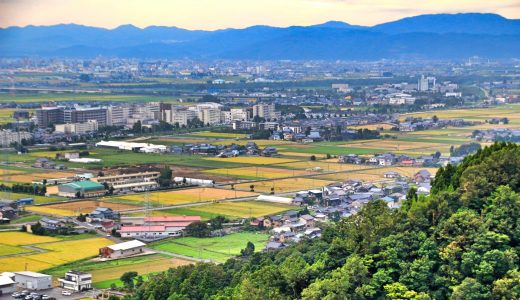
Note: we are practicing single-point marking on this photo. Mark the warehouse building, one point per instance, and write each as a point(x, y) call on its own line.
point(125, 249)
point(32, 280)
point(84, 188)
point(7, 283)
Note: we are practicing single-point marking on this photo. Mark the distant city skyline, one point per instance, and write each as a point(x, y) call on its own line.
point(212, 14)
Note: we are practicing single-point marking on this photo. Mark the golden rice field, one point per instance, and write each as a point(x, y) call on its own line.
point(259, 172)
point(188, 196)
point(77, 207)
point(350, 176)
point(15, 238)
point(372, 126)
point(218, 134)
point(331, 165)
point(254, 160)
point(35, 176)
point(284, 185)
point(58, 253)
point(298, 154)
point(480, 113)
point(242, 209)
point(391, 145)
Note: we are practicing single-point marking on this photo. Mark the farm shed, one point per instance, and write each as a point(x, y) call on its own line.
point(122, 249)
point(32, 280)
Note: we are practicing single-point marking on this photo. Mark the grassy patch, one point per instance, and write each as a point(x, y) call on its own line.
point(217, 249)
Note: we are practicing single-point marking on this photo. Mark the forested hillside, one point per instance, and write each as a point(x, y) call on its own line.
point(462, 242)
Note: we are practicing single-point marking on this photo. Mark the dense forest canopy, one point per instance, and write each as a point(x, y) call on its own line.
point(462, 242)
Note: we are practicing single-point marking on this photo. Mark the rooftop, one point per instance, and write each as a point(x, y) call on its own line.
point(85, 185)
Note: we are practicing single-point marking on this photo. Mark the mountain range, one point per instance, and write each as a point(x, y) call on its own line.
point(438, 36)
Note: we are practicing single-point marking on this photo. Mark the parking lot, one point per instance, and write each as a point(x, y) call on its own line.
point(56, 293)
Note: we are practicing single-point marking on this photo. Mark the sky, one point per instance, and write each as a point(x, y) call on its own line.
point(218, 14)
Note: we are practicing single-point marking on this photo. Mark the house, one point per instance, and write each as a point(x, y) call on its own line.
point(422, 176)
point(273, 246)
point(7, 211)
point(125, 249)
point(269, 151)
point(308, 220)
point(312, 232)
point(7, 283)
point(391, 174)
point(81, 188)
point(32, 280)
point(76, 281)
point(51, 224)
point(101, 213)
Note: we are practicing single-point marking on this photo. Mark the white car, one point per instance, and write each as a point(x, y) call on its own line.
point(66, 293)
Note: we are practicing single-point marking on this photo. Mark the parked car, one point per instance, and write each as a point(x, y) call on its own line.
point(66, 293)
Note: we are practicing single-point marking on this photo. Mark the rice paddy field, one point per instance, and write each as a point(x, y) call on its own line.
point(217, 249)
point(253, 160)
point(77, 207)
point(283, 185)
point(24, 250)
point(241, 209)
point(106, 272)
point(184, 196)
point(257, 172)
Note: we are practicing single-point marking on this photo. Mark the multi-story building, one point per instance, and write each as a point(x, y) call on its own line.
point(266, 111)
point(78, 128)
point(76, 281)
point(79, 114)
point(119, 115)
point(7, 137)
point(209, 115)
point(49, 115)
point(426, 83)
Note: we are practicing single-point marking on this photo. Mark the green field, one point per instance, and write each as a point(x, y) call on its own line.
point(104, 273)
point(217, 249)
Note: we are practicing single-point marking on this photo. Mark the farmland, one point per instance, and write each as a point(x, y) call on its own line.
point(252, 160)
point(103, 271)
point(190, 195)
point(216, 249)
point(242, 209)
point(53, 251)
point(283, 185)
point(257, 172)
point(77, 207)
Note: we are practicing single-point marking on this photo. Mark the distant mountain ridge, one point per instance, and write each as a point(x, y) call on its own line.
point(441, 36)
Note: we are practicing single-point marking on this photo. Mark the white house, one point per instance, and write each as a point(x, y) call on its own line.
point(76, 281)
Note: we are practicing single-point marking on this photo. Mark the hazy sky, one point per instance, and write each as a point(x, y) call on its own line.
point(214, 14)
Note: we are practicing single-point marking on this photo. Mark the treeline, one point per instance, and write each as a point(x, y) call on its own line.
point(462, 242)
point(27, 188)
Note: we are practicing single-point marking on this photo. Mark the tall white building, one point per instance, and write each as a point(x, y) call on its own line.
point(426, 83)
point(266, 111)
point(7, 137)
point(209, 116)
point(78, 128)
point(119, 115)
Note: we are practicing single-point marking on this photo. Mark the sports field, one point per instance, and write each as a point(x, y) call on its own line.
point(217, 249)
point(242, 209)
point(184, 196)
point(54, 251)
point(283, 185)
point(77, 207)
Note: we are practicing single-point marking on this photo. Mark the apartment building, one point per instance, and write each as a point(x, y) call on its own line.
point(7, 137)
point(266, 111)
point(77, 128)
